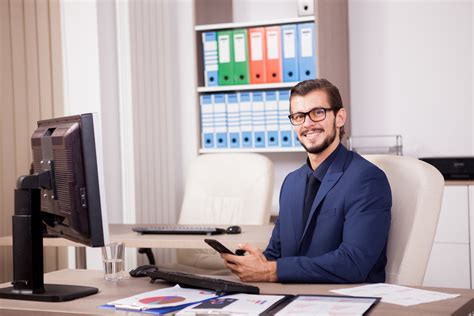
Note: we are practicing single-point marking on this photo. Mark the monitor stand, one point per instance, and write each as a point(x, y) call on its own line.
point(28, 279)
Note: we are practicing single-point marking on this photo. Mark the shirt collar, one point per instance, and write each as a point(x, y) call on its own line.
point(321, 170)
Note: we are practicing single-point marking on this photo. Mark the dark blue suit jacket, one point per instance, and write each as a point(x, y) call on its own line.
point(347, 242)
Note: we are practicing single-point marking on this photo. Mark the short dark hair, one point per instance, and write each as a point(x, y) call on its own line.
point(332, 92)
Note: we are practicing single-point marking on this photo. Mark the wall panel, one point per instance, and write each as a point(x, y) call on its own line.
point(27, 89)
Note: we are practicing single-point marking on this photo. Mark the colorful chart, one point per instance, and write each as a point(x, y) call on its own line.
point(160, 300)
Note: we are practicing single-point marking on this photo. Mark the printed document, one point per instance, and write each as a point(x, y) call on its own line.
point(396, 294)
point(236, 304)
point(163, 299)
point(327, 305)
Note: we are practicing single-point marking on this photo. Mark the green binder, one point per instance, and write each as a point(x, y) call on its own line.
point(241, 57)
point(225, 49)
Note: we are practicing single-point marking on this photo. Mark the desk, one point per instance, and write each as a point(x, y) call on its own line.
point(257, 235)
point(110, 291)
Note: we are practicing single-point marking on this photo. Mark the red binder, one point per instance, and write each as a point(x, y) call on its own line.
point(273, 55)
point(257, 54)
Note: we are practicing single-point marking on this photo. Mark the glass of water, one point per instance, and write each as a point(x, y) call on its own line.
point(112, 256)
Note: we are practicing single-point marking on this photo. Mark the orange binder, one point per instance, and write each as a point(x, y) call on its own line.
point(273, 56)
point(257, 52)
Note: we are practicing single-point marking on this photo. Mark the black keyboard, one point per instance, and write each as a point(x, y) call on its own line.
point(179, 229)
point(191, 280)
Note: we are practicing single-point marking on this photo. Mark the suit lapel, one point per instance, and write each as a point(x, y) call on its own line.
point(334, 173)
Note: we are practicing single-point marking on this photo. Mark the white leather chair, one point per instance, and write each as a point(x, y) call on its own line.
point(225, 189)
point(417, 191)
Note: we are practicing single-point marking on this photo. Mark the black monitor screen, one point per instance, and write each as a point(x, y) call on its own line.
point(65, 193)
point(72, 207)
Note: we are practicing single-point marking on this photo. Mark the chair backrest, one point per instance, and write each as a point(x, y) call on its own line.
point(225, 189)
point(228, 189)
point(417, 191)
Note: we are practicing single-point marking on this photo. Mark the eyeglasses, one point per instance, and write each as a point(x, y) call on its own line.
point(315, 114)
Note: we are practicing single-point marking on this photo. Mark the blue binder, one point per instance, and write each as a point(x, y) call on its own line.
point(307, 51)
point(284, 125)
point(289, 48)
point(233, 120)
point(207, 121)
point(245, 119)
point(258, 120)
point(220, 120)
point(209, 47)
point(271, 118)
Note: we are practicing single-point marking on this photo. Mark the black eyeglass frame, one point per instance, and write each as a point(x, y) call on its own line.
point(308, 114)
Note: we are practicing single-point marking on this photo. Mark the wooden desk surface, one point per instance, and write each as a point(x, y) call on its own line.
point(257, 235)
point(109, 291)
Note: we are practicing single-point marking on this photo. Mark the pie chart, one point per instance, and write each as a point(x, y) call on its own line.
point(160, 300)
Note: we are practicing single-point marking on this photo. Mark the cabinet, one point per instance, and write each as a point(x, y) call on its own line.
point(451, 261)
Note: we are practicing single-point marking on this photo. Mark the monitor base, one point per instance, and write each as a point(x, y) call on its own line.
point(52, 293)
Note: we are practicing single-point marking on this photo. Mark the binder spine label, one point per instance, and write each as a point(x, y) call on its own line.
point(257, 49)
point(306, 42)
point(289, 50)
point(272, 45)
point(224, 49)
point(239, 48)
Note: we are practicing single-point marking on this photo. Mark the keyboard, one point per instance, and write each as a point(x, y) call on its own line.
point(191, 280)
point(179, 229)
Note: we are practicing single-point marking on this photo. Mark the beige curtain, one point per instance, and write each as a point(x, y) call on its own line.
point(30, 89)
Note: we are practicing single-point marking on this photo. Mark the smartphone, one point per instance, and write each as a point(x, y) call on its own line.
point(220, 248)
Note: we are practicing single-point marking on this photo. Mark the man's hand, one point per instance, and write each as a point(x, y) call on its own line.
point(253, 267)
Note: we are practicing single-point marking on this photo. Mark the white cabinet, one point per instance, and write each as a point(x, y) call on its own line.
point(450, 260)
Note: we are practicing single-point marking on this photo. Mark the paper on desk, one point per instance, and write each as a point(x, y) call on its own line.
point(236, 304)
point(327, 305)
point(163, 298)
point(396, 294)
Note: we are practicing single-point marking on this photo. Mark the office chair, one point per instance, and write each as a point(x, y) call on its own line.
point(417, 191)
point(223, 189)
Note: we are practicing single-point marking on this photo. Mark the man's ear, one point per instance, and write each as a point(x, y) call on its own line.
point(341, 116)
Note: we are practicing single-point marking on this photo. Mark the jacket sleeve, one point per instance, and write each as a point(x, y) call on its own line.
point(365, 234)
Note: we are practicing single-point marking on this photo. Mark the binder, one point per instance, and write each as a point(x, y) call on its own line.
point(307, 51)
point(226, 58)
point(258, 120)
point(273, 56)
point(257, 49)
point(233, 120)
point(284, 126)
point(241, 59)
point(245, 106)
point(290, 54)
point(209, 52)
point(207, 121)
point(271, 118)
point(220, 121)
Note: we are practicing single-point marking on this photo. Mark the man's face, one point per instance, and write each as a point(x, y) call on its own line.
point(316, 136)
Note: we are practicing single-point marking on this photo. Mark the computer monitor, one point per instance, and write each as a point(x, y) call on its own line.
point(65, 193)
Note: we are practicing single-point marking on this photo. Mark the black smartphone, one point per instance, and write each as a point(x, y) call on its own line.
point(220, 248)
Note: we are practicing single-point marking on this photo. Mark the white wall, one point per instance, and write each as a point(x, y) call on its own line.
point(411, 73)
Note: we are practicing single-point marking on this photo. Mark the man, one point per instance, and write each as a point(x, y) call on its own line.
point(334, 211)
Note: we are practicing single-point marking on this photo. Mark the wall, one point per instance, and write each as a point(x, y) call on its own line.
point(30, 90)
point(411, 73)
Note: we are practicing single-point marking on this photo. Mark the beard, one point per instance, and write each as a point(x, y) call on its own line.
point(317, 149)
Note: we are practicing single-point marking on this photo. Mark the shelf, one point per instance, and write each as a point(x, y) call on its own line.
point(263, 86)
point(222, 26)
point(252, 150)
